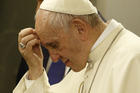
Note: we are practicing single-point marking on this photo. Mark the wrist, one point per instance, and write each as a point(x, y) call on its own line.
point(33, 74)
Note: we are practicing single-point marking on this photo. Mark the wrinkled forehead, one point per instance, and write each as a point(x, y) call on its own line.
point(43, 29)
point(41, 24)
point(41, 19)
point(42, 14)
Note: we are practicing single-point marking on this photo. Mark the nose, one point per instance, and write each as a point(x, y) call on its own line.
point(54, 56)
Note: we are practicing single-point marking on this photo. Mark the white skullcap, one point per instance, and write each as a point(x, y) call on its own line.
point(75, 7)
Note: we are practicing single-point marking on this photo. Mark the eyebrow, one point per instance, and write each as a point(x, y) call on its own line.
point(54, 44)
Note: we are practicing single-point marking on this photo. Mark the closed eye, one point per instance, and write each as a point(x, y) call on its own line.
point(53, 45)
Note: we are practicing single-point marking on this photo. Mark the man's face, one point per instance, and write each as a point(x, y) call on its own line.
point(61, 44)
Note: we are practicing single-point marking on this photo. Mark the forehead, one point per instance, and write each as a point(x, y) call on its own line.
point(44, 30)
point(41, 26)
point(41, 21)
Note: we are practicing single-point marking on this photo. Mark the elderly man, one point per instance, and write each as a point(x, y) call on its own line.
point(55, 71)
point(72, 31)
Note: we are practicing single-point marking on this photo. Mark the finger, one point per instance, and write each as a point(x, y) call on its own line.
point(32, 43)
point(28, 50)
point(34, 32)
point(24, 33)
point(38, 52)
point(28, 38)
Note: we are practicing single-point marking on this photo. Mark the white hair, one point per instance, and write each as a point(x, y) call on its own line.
point(62, 21)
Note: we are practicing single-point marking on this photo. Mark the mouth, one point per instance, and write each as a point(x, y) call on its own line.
point(67, 62)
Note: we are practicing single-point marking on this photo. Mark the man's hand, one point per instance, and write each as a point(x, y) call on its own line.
point(32, 52)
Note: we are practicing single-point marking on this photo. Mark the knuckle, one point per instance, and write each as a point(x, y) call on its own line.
point(29, 44)
point(31, 36)
point(20, 34)
point(34, 40)
point(23, 40)
point(29, 29)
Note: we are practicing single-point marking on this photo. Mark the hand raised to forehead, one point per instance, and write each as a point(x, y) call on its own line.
point(31, 51)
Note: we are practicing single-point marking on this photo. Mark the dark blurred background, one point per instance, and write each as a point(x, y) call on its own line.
point(14, 15)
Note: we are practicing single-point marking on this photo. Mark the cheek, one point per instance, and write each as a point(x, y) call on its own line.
point(75, 45)
point(64, 52)
point(70, 52)
point(75, 49)
point(70, 48)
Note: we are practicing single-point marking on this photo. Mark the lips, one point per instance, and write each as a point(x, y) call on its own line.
point(67, 62)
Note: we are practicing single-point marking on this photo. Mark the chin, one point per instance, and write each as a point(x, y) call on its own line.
point(75, 70)
point(78, 69)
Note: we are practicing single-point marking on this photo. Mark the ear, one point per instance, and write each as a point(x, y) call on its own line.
point(80, 27)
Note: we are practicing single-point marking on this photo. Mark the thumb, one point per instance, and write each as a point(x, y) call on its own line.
point(38, 51)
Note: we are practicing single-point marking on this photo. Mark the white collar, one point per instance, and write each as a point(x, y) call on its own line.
point(112, 25)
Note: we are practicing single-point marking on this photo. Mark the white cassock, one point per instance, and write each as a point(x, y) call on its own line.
point(113, 67)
